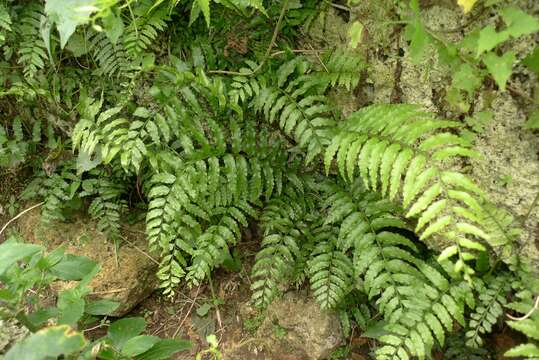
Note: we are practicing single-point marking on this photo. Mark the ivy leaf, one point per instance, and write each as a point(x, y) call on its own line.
point(419, 39)
point(68, 16)
point(467, 78)
point(489, 39)
point(113, 26)
point(355, 32)
point(500, 67)
point(532, 60)
point(533, 121)
point(518, 22)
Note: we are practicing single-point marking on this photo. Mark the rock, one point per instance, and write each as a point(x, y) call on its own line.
point(295, 327)
point(127, 278)
point(11, 332)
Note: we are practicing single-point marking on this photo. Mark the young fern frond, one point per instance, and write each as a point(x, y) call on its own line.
point(492, 295)
point(402, 152)
point(56, 191)
point(107, 204)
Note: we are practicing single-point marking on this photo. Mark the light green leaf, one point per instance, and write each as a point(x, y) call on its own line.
point(113, 26)
point(11, 252)
point(500, 67)
point(533, 121)
point(48, 343)
point(73, 267)
point(204, 5)
point(532, 60)
point(355, 33)
point(164, 349)
point(518, 22)
point(489, 39)
point(67, 15)
point(467, 78)
point(527, 350)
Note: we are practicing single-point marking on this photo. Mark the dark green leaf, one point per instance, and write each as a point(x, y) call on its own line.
point(165, 349)
point(124, 329)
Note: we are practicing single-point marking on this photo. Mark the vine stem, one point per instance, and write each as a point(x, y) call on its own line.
point(530, 313)
point(19, 215)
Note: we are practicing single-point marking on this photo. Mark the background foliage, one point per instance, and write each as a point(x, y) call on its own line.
point(209, 123)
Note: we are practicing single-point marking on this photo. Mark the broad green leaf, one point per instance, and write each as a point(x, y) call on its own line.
point(139, 344)
point(11, 252)
point(489, 38)
point(532, 60)
point(518, 22)
point(70, 307)
point(500, 67)
point(164, 349)
point(67, 15)
point(113, 27)
point(101, 307)
point(48, 343)
point(124, 329)
point(467, 78)
point(73, 267)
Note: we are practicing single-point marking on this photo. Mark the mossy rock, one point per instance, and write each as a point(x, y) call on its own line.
point(127, 275)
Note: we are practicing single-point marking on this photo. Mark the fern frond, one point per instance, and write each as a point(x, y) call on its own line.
point(5, 23)
point(283, 220)
point(111, 59)
point(143, 29)
point(489, 308)
point(32, 51)
point(300, 111)
point(525, 303)
point(330, 269)
point(107, 204)
point(405, 153)
point(212, 247)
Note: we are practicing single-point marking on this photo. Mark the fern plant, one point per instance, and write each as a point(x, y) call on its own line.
point(406, 154)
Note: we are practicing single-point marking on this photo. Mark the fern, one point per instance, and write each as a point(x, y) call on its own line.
point(284, 219)
point(32, 51)
point(111, 59)
point(381, 141)
point(525, 302)
point(56, 191)
point(107, 204)
point(142, 31)
point(491, 300)
point(330, 270)
point(5, 23)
